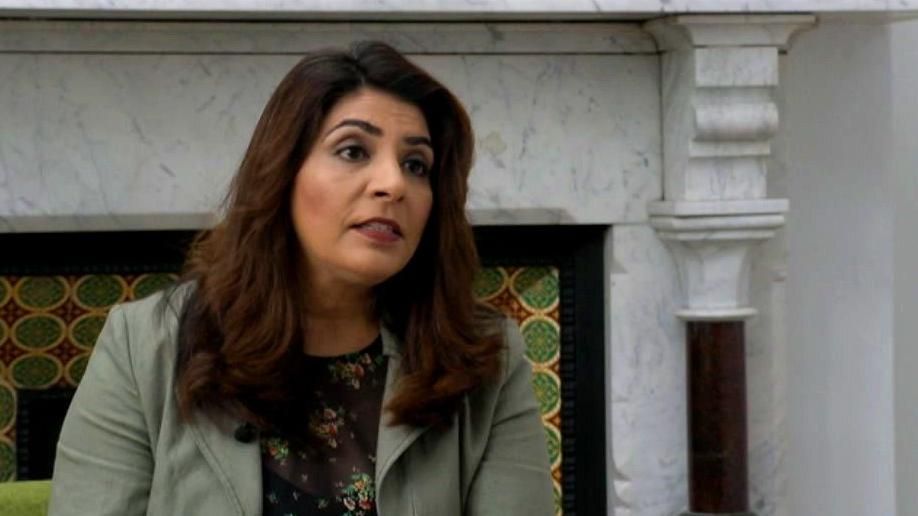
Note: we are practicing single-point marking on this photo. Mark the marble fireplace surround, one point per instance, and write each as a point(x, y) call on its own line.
point(657, 126)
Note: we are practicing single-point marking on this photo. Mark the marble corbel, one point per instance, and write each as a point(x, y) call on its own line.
point(719, 115)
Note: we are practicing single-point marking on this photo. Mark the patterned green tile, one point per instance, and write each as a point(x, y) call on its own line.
point(548, 392)
point(537, 287)
point(543, 340)
point(553, 437)
point(7, 406)
point(38, 331)
point(489, 282)
point(35, 371)
point(6, 291)
point(7, 460)
point(85, 330)
point(76, 368)
point(150, 283)
point(41, 292)
point(99, 291)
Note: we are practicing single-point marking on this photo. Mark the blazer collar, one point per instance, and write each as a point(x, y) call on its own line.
point(392, 440)
point(238, 465)
point(392, 345)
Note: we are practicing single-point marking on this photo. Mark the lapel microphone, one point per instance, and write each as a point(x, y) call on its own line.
point(245, 433)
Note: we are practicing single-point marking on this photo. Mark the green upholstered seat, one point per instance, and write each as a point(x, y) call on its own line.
point(26, 498)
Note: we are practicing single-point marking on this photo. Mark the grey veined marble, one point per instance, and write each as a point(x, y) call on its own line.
point(113, 138)
point(418, 8)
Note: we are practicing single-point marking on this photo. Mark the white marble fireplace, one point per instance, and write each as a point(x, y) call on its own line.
point(638, 115)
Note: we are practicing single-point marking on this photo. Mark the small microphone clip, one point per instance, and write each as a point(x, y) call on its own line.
point(245, 433)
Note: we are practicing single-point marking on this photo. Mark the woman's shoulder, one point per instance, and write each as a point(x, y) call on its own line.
point(510, 391)
point(167, 301)
point(149, 326)
point(158, 312)
point(491, 322)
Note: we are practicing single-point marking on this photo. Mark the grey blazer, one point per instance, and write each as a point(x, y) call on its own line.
point(124, 451)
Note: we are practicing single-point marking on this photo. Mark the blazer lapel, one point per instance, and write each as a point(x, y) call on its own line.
point(392, 440)
point(238, 465)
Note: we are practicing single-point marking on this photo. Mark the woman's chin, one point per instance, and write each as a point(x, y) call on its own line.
point(372, 276)
point(373, 268)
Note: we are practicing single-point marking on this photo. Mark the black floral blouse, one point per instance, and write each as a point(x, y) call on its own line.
point(330, 470)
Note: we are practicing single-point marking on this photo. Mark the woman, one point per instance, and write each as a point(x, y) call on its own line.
point(324, 353)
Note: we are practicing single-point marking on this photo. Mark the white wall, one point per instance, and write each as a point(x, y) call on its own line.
point(836, 152)
point(904, 42)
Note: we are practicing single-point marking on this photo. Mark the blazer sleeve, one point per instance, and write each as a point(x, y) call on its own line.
point(104, 465)
point(514, 475)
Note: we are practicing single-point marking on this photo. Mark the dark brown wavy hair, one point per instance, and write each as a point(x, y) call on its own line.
point(240, 331)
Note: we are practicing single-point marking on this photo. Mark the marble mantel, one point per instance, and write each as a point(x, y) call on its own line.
point(437, 9)
point(636, 114)
point(116, 99)
point(579, 76)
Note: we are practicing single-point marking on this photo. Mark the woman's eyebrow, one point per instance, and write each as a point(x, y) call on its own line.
point(376, 131)
point(418, 140)
point(362, 124)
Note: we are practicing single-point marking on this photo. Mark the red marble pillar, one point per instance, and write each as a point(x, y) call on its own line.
point(718, 472)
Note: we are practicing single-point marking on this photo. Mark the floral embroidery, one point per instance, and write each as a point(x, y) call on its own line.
point(358, 497)
point(326, 423)
point(351, 372)
point(332, 474)
point(277, 448)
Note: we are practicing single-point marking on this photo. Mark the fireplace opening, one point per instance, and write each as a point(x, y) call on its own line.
point(550, 279)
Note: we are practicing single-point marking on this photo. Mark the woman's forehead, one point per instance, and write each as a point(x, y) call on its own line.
point(381, 109)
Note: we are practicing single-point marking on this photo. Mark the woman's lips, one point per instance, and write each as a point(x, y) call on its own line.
point(378, 232)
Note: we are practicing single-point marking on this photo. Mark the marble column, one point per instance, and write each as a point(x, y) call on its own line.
point(719, 73)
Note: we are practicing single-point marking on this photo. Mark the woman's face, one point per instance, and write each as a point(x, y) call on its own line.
point(362, 196)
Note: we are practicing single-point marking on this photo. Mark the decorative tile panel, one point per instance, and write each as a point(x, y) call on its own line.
point(531, 296)
point(49, 324)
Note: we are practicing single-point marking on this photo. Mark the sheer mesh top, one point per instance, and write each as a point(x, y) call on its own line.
point(327, 467)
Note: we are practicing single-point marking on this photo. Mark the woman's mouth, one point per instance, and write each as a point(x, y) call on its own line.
point(381, 231)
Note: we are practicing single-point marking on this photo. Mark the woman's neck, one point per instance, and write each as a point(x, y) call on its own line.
point(339, 319)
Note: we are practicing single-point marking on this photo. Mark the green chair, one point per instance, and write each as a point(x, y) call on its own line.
point(25, 498)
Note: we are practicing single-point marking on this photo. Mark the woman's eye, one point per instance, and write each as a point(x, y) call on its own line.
point(417, 167)
point(352, 153)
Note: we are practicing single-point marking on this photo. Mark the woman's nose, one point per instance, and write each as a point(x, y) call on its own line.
point(388, 180)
